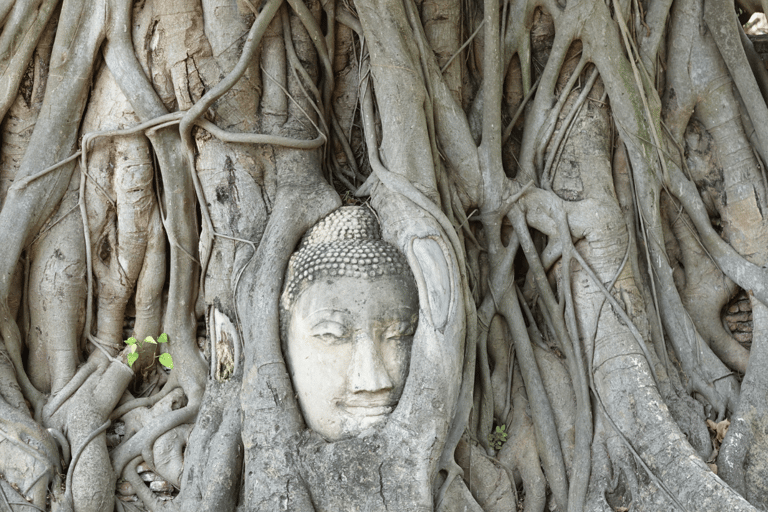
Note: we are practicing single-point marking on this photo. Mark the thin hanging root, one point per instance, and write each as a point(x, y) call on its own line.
point(339, 173)
point(508, 130)
point(632, 51)
point(584, 431)
point(316, 34)
point(298, 70)
point(558, 144)
point(548, 128)
point(541, 410)
point(486, 402)
point(539, 339)
point(618, 309)
point(350, 154)
point(258, 138)
point(570, 346)
point(76, 457)
point(22, 183)
point(88, 257)
point(463, 46)
point(641, 225)
point(593, 335)
point(289, 96)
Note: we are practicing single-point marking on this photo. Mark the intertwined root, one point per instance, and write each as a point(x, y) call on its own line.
point(29, 456)
point(630, 263)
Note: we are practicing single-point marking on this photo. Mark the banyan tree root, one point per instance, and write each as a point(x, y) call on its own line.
point(57, 273)
point(214, 454)
point(592, 352)
point(239, 214)
point(29, 456)
point(120, 200)
point(519, 455)
point(742, 459)
point(62, 109)
point(487, 479)
point(82, 414)
point(166, 454)
point(704, 289)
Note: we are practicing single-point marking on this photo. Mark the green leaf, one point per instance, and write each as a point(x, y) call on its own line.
point(132, 349)
point(166, 360)
point(132, 358)
point(150, 339)
point(163, 338)
point(130, 341)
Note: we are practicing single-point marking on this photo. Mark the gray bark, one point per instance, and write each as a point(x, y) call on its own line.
point(578, 188)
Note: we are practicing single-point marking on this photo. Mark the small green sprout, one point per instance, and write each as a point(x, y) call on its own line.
point(165, 359)
point(498, 438)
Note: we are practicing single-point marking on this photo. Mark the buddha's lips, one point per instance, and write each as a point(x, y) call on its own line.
point(368, 407)
point(368, 411)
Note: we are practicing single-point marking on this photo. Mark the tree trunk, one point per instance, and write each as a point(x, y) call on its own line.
point(578, 189)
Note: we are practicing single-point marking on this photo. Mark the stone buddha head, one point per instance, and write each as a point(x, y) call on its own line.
point(348, 313)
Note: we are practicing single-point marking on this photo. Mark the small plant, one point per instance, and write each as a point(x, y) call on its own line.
point(498, 438)
point(165, 359)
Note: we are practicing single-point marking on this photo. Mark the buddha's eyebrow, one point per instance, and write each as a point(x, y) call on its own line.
point(334, 314)
point(396, 315)
point(405, 309)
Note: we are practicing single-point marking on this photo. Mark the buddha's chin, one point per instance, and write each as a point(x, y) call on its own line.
point(361, 419)
point(371, 420)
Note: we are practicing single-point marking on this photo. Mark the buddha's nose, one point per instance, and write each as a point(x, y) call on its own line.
point(368, 372)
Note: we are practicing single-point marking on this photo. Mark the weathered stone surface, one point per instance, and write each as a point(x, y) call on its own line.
point(351, 312)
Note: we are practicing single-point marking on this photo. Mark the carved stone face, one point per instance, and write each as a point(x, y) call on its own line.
point(348, 351)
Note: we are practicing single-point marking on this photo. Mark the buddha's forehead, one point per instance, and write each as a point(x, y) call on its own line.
point(387, 296)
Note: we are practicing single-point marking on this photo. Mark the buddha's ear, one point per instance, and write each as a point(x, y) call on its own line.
point(433, 277)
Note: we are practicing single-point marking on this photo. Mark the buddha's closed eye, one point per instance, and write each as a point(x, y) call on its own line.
point(401, 331)
point(331, 332)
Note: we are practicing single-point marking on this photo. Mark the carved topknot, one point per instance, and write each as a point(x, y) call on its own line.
point(348, 243)
point(346, 223)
